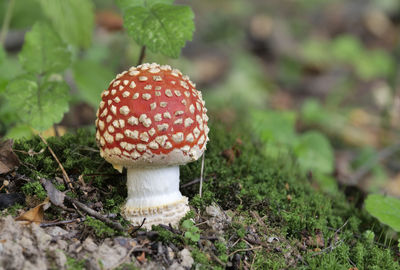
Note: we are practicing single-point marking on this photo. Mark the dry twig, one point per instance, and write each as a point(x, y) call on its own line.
point(201, 175)
point(95, 214)
point(244, 249)
point(66, 177)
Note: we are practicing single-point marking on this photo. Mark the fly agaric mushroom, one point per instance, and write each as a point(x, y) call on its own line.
point(151, 119)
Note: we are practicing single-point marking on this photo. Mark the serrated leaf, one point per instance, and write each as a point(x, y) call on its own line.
point(73, 19)
point(192, 236)
point(40, 106)
point(91, 78)
point(315, 152)
point(44, 51)
point(125, 4)
point(161, 28)
point(385, 209)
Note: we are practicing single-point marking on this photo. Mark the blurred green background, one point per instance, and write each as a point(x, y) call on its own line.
point(318, 79)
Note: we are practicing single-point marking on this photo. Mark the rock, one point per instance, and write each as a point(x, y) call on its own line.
point(218, 218)
point(56, 231)
point(171, 254)
point(110, 255)
point(59, 258)
point(27, 247)
point(176, 266)
point(186, 257)
point(89, 245)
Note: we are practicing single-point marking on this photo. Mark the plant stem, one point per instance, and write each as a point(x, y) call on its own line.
point(142, 55)
point(6, 21)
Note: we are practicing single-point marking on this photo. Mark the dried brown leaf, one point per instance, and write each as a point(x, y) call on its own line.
point(35, 214)
point(8, 159)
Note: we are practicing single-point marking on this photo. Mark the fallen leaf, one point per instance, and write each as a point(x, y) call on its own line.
point(8, 159)
point(142, 258)
point(35, 214)
point(56, 197)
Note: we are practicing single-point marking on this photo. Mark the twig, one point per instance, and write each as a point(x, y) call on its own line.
point(201, 175)
point(382, 155)
point(95, 214)
point(253, 260)
point(328, 249)
point(190, 183)
point(66, 177)
point(255, 242)
point(6, 21)
point(258, 218)
point(56, 130)
point(142, 55)
point(135, 229)
point(169, 228)
point(78, 220)
point(243, 249)
point(63, 222)
point(217, 259)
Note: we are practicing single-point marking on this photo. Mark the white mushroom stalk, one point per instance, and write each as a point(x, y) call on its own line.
point(153, 193)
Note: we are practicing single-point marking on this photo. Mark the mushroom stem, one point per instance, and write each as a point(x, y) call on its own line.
point(153, 193)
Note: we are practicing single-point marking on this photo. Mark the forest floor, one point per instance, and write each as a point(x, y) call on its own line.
point(255, 213)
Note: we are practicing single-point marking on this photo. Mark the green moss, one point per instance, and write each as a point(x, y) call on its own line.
point(254, 182)
point(200, 258)
point(12, 210)
point(221, 251)
point(74, 264)
point(99, 227)
point(34, 189)
point(167, 236)
point(78, 153)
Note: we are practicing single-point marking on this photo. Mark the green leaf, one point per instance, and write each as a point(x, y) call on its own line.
point(20, 132)
point(274, 126)
point(44, 51)
point(346, 48)
point(192, 236)
point(315, 152)
point(385, 209)
point(91, 78)
point(125, 4)
point(40, 106)
point(161, 27)
point(73, 19)
point(187, 224)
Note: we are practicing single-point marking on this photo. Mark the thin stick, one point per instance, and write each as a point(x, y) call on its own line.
point(66, 177)
point(95, 214)
point(63, 222)
point(244, 249)
point(142, 55)
point(6, 21)
point(201, 175)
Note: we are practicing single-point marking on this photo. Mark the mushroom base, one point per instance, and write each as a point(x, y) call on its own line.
point(165, 214)
point(153, 193)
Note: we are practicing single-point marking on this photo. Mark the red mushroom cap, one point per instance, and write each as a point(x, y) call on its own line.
point(151, 115)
